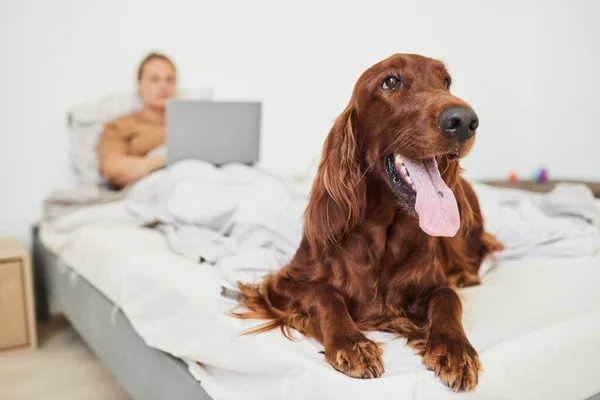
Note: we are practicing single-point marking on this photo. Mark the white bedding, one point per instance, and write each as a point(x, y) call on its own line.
point(535, 323)
point(246, 221)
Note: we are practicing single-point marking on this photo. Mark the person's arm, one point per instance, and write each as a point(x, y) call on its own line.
point(117, 167)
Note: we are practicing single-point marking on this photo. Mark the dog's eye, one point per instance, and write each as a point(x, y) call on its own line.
point(391, 83)
point(446, 83)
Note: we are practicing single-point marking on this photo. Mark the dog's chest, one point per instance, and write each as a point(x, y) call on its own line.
point(378, 258)
point(402, 240)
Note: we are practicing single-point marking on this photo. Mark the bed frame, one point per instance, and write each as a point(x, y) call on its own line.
point(144, 372)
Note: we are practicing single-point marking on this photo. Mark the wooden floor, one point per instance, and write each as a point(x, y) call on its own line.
point(62, 368)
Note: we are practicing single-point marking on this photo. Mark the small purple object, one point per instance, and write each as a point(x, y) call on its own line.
point(542, 175)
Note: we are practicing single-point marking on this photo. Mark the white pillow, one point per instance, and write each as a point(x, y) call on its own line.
point(86, 123)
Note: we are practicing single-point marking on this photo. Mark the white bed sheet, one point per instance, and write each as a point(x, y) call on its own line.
point(536, 325)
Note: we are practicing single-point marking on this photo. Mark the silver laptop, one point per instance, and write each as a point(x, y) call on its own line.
point(213, 131)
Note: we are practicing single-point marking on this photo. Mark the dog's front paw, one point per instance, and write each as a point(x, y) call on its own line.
point(455, 362)
point(358, 358)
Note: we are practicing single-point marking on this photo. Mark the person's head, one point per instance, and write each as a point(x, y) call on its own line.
point(156, 80)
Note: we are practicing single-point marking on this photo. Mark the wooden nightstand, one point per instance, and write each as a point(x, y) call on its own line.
point(17, 315)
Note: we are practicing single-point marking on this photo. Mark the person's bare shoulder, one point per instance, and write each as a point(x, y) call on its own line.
point(124, 124)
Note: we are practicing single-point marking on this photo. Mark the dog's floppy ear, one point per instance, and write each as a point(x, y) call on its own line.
point(337, 199)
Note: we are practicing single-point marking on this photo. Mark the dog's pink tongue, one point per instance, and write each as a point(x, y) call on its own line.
point(436, 204)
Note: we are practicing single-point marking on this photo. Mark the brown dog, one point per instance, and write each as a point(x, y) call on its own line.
point(389, 229)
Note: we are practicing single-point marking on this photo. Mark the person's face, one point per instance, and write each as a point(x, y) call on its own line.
point(157, 83)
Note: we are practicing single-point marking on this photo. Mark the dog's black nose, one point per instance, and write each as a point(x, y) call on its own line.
point(458, 123)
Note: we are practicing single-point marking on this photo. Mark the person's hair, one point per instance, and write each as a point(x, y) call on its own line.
point(150, 57)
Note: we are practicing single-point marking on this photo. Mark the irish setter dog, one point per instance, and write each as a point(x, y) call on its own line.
point(390, 229)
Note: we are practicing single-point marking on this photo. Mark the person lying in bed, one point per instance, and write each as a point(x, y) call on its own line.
point(125, 144)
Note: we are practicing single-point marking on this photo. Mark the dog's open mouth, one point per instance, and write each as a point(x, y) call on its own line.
point(420, 182)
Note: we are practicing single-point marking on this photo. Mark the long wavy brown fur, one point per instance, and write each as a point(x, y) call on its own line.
point(364, 263)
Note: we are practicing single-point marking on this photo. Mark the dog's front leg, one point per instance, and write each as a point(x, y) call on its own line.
point(326, 318)
point(447, 350)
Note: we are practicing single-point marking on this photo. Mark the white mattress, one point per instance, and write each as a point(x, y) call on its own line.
point(536, 325)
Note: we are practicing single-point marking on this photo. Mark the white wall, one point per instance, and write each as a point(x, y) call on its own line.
point(528, 67)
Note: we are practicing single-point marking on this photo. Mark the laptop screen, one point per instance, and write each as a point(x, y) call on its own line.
point(212, 131)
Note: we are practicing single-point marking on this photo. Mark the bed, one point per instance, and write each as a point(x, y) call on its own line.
point(146, 295)
point(112, 281)
point(108, 332)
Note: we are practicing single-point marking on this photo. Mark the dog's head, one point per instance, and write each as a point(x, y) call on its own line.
point(403, 126)
point(403, 105)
